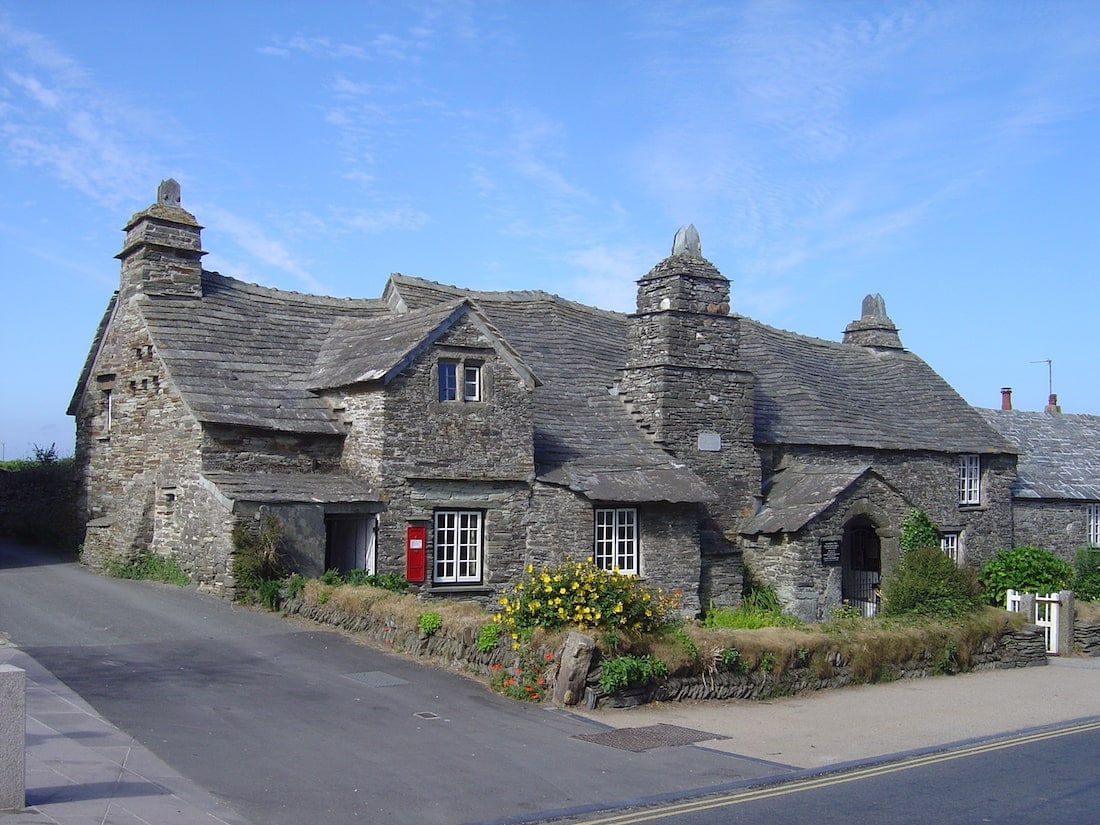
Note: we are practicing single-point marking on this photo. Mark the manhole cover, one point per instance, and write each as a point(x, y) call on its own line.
point(648, 737)
point(376, 678)
point(426, 714)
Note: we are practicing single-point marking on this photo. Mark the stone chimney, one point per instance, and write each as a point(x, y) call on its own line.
point(683, 384)
point(1006, 398)
point(1052, 404)
point(162, 252)
point(874, 329)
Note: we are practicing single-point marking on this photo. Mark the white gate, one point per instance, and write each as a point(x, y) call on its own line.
point(1046, 613)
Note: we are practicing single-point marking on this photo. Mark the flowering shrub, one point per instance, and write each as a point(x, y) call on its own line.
point(526, 680)
point(579, 594)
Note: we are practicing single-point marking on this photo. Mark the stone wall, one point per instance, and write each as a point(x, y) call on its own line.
point(929, 481)
point(38, 505)
point(135, 439)
point(1058, 526)
point(247, 450)
point(458, 647)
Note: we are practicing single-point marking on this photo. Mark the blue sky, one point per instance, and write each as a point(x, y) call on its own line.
point(945, 155)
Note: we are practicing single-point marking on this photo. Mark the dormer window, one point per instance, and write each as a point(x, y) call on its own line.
point(471, 382)
point(448, 381)
point(449, 389)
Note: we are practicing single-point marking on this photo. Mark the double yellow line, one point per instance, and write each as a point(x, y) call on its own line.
point(797, 786)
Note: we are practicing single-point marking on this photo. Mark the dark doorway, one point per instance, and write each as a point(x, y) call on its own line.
point(861, 565)
point(349, 543)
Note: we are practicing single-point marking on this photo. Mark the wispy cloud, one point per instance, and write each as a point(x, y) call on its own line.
point(56, 118)
point(252, 238)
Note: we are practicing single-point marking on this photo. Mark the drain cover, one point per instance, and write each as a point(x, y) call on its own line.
point(376, 678)
point(648, 737)
point(426, 714)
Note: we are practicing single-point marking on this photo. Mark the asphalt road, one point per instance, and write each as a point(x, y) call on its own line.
point(289, 724)
point(1039, 777)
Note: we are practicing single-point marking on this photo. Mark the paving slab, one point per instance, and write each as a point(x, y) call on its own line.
point(81, 770)
point(865, 722)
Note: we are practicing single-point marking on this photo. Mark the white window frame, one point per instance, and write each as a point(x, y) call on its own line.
point(457, 544)
point(108, 410)
point(951, 545)
point(1093, 515)
point(471, 382)
point(970, 479)
point(616, 544)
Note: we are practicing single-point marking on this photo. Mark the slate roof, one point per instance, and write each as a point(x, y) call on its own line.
point(584, 437)
point(243, 354)
point(799, 493)
point(274, 488)
point(817, 392)
point(1061, 453)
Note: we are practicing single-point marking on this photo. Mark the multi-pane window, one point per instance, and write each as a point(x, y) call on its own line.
point(448, 381)
point(457, 546)
point(450, 372)
point(471, 382)
point(949, 544)
point(970, 476)
point(1094, 525)
point(616, 545)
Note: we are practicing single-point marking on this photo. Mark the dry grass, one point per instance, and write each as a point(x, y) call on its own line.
point(1088, 612)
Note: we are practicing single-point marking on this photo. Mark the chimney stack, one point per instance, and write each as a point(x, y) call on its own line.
point(1052, 404)
point(1006, 398)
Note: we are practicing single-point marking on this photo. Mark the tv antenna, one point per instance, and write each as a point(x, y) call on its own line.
point(1050, 373)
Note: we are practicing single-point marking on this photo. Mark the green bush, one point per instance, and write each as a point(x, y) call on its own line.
point(626, 671)
point(488, 637)
point(429, 623)
point(256, 553)
point(386, 581)
point(579, 594)
point(148, 566)
point(746, 618)
point(927, 583)
point(1086, 574)
point(917, 530)
point(1027, 569)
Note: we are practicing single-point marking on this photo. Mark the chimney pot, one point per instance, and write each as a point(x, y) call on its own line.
point(1006, 398)
point(1052, 404)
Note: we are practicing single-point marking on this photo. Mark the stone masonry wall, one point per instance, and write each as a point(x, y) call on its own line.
point(457, 647)
point(791, 562)
point(468, 455)
point(929, 481)
point(1058, 526)
point(133, 436)
point(246, 450)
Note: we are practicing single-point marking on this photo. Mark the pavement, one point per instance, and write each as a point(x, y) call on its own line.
point(81, 770)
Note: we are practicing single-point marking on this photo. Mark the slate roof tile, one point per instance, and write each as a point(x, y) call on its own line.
point(1061, 453)
point(816, 392)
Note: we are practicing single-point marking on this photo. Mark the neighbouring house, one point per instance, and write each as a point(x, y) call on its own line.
point(1056, 494)
point(457, 436)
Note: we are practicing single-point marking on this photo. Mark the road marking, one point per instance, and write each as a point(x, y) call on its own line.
point(814, 782)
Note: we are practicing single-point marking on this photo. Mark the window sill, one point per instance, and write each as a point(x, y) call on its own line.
point(456, 589)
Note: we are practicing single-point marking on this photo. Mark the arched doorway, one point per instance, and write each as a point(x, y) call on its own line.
point(861, 565)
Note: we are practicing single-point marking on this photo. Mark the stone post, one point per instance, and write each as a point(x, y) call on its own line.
point(13, 737)
point(1066, 613)
point(576, 658)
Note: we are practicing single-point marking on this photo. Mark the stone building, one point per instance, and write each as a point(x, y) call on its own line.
point(1056, 494)
point(457, 435)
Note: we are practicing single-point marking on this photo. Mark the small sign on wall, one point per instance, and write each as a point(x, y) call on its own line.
point(709, 442)
point(830, 552)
